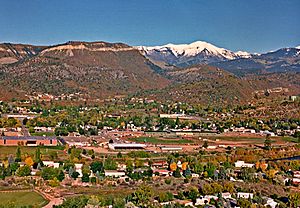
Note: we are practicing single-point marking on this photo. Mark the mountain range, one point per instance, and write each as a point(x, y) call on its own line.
point(96, 69)
point(190, 54)
point(239, 63)
point(198, 72)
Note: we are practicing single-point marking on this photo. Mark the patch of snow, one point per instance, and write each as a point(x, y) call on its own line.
point(243, 54)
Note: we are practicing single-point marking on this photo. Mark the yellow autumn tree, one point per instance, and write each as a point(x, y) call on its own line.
point(5, 163)
point(184, 165)
point(257, 165)
point(271, 173)
point(122, 124)
point(263, 166)
point(173, 166)
point(29, 161)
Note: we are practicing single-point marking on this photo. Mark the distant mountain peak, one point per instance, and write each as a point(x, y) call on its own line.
point(193, 53)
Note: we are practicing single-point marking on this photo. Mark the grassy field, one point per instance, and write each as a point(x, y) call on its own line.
point(42, 134)
point(22, 198)
point(155, 140)
point(290, 139)
point(234, 138)
point(5, 151)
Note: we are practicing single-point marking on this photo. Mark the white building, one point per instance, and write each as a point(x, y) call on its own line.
point(271, 203)
point(242, 164)
point(170, 149)
point(114, 173)
point(116, 146)
point(78, 167)
point(226, 195)
point(244, 195)
point(202, 200)
point(51, 164)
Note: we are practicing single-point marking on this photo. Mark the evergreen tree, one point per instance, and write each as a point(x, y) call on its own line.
point(85, 178)
point(187, 173)
point(37, 158)
point(205, 144)
point(18, 155)
point(119, 155)
point(10, 159)
point(75, 175)
point(177, 173)
point(39, 166)
point(61, 176)
point(268, 142)
point(71, 171)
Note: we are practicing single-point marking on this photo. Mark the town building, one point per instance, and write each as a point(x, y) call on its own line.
point(114, 173)
point(28, 141)
point(125, 146)
point(242, 164)
point(170, 149)
point(244, 195)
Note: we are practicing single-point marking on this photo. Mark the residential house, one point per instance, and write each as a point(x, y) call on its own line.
point(242, 164)
point(51, 164)
point(114, 173)
point(244, 195)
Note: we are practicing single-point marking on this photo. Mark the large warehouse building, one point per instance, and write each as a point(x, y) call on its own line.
point(123, 146)
point(27, 141)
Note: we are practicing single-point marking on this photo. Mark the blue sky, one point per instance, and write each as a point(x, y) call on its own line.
point(254, 26)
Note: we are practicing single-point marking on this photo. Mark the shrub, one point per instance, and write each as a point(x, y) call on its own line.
point(168, 181)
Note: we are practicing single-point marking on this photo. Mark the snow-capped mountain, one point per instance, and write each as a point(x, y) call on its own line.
point(189, 54)
point(281, 60)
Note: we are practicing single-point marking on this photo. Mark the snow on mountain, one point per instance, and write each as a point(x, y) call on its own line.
point(243, 54)
point(298, 47)
point(193, 53)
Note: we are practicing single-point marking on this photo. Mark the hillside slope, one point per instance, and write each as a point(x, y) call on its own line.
point(205, 84)
point(96, 69)
point(11, 53)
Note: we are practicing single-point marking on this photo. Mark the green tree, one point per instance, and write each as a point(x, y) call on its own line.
point(97, 166)
point(177, 173)
point(54, 182)
point(187, 173)
point(75, 175)
point(18, 155)
point(119, 155)
point(245, 203)
point(268, 142)
point(110, 164)
point(61, 175)
point(294, 199)
point(193, 194)
point(165, 196)
point(23, 171)
point(205, 144)
point(142, 195)
point(207, 189)
point(49, 173)
point(37, 158)
point(14, 167)
point(86, 169)
point(85, 177)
